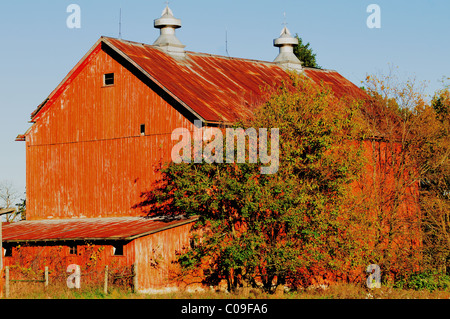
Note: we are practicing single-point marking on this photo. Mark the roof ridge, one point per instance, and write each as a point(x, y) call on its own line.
point(192, 52)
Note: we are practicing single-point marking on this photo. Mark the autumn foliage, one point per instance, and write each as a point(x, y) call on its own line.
point(346, 194)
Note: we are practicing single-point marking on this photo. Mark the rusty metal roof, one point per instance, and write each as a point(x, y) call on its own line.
point(339, 85)
point(216, 89)
point(90, 229)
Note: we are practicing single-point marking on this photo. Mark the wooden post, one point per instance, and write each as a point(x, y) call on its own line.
point(1, 282)
point(135, 278)
point(105, 285)
point(7, 281)
point(46, 277)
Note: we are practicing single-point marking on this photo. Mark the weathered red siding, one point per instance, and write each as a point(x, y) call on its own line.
point(29, 261)
point(85, 155)
point(155, 256)
point(389, 201)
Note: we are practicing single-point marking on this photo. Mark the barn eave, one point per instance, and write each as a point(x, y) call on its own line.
point(88, 229)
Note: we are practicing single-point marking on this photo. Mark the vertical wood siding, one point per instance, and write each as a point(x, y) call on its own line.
point(155, 256)
point(30, 260)
point(85, 155)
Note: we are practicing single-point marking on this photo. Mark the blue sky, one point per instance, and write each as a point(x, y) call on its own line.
point(37, 48)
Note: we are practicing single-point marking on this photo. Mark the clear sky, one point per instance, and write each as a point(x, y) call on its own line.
point(37, 48)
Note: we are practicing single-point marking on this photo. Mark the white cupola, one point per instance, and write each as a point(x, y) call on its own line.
point(167, 39)
point(286, 58)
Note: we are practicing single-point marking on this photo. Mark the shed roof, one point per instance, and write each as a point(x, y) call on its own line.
point(88, 229)
point(215, 89)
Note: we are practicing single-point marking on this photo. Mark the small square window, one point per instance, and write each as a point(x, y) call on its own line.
point(73, 250)
point(118, 250)
point(142, 129)
point(108, 79)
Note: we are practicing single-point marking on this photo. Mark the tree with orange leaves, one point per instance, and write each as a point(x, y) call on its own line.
point(267, 230)
point(413, 211)
point(346, 193)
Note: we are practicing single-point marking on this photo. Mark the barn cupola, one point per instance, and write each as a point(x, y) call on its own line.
point(167, 40)
point(286, 58)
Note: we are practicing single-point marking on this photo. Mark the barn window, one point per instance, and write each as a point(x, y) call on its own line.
point(73, 250)
point(118, 250)
point(8, 251)
point(142, 129)
point(192, 243)
point(108, 79)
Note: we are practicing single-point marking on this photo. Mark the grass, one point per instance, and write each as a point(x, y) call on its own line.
point(337, 291)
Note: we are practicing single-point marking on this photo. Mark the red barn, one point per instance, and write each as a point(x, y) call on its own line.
point(97, 140)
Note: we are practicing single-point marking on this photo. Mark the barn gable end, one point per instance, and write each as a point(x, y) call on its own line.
point(93, 148)
point(87, 155)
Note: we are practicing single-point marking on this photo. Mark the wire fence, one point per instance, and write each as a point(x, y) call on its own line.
point(73, 277)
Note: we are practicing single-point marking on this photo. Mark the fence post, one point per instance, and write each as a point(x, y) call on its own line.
point(1, 282)
point(7, 281)
point(105, 285)
point(46, 276)
point(135, 278)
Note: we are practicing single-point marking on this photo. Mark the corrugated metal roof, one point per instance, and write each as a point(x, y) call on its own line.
point(215, 88)
point(220, 88)
point(113, 228)
point(339, 85)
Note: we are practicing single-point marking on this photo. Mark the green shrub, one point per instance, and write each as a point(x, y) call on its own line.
point(429, 280)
